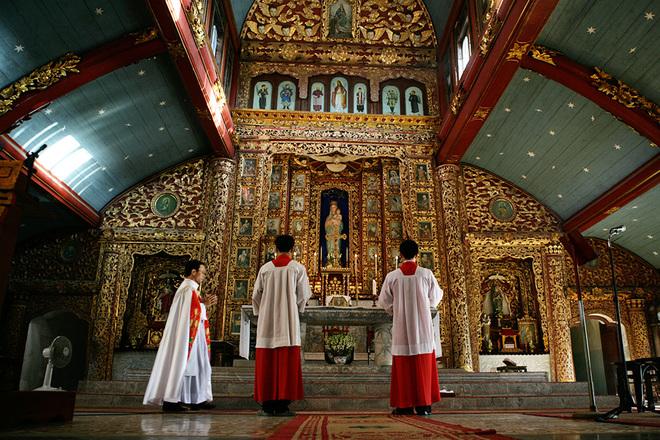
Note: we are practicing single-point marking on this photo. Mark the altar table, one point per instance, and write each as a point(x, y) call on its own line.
point(341, 316)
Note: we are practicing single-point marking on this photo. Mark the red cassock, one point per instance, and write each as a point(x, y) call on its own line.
point(280, 293)
point(409, 293)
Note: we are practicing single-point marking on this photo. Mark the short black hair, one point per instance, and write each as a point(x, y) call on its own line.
point(284, 243)
point(192, 265)
point(408, 249)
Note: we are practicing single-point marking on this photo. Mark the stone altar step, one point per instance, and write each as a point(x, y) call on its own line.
point(357, 387)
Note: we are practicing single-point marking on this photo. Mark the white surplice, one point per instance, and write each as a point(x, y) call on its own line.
point(280, 293)
point(410, 299)
point(175, 377)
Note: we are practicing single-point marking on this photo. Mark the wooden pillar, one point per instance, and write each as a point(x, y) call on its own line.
point(638, 330)
point(448, 175)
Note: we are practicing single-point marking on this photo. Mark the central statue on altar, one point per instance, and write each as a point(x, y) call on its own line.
point(334, 227)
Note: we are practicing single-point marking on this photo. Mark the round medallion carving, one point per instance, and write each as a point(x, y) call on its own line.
point(165, 204)
point(502, 209)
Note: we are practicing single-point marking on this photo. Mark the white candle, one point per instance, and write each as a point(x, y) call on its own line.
point(396, 261)
point(355, 264)
point(373, 287)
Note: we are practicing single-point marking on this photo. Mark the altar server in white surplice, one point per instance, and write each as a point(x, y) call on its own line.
point(181, 376)
point(408, 294)
point(281, 291)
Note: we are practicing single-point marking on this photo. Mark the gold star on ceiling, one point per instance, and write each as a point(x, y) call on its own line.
point(571, 105)
point(649, 15)
point(531, 154)
point(18, 48)
point(591, 30)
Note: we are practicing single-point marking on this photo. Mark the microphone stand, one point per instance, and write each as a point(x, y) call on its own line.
point(625, 399)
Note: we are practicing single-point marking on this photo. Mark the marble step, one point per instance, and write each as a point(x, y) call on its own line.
point(340, 386)
point(344, 403)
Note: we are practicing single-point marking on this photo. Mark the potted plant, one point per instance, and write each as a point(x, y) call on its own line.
point(339, 348)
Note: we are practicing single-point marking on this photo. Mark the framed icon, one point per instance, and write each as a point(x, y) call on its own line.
point(249, 168)
point(423, 201)
point(241, 288)
point(243, 256)
point(245, 226)
point(502, 209)
point(165, 204)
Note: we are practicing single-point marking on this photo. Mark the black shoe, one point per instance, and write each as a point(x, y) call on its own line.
point(174, 407)
point(286, 413)
point(203, 405)
point(403, 412)
point(423, 410)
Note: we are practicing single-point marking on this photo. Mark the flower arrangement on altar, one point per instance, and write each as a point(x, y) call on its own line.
point(339, 348)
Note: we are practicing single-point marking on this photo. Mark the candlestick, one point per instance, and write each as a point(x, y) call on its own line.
point(373, 287)
point(355, 264)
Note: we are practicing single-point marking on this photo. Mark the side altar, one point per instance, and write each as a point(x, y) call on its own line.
point(374, 317)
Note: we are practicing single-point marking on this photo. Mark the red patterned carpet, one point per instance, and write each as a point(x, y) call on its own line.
point(376, 426)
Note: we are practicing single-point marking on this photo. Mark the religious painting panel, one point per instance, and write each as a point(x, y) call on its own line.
point(391, 100)
point(396, 230)
point(424, 231)
point(297, 226)
point(422, 172)
point(373, 205)
point(414, 100)
point(395, 202)
point(393, 177)
point(235, 322)
point(165, 204)
point(248, 195)
point(273, 227)
point(243, 256)
point(276, 174)
point(241, 289)
point(372, 230)
point(299, 181)
point(373, 183)
point(298, 203)
point(262, 95)
point(360, 98)
point(423, 201)
point(286, 96)
point(340, 19)
point(339, 95)
point(317, 96)
point(426, 260)
point(274, 201)
point(245, 226)
point(249, 168)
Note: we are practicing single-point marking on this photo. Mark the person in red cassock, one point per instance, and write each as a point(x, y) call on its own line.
point(408, 294)
point(281, 291)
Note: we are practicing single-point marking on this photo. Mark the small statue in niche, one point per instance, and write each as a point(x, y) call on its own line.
point(500, 302)
point(486, 343)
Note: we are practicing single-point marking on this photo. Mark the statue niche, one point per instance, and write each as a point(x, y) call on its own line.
point(154, 281)
point(334, 228)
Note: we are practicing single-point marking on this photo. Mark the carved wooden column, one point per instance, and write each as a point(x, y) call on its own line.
point(220, 179)
point(638, 330)
point(105, 308)
point(559, 315)
point(454, 221)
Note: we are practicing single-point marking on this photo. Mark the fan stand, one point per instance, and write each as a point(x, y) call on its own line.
point(48, 377)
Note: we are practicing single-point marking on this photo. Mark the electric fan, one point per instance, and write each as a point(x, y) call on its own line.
point(58, 355)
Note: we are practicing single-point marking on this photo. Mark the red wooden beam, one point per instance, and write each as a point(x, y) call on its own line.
point(487, 77)
point(578, 78)
point(197, 70)
point(641, 180)
point(49, 183)
point(93, 64)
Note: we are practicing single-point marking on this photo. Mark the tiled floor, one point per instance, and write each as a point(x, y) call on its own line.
point(222, 424)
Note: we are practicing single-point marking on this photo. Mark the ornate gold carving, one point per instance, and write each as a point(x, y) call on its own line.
point(325, 53)
point(517, 51)
point(377, 22)
point(219, 91)
point(39, 79)
point(542, 54)
point(9, 172)
point(456, 101)
point(612, 210)
point(481, 113)
point(195, 16)
point(622, 93)
point(449, 179)
point(491, 29)
point(146, 36)
point(374, 75)
point(176, 50)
